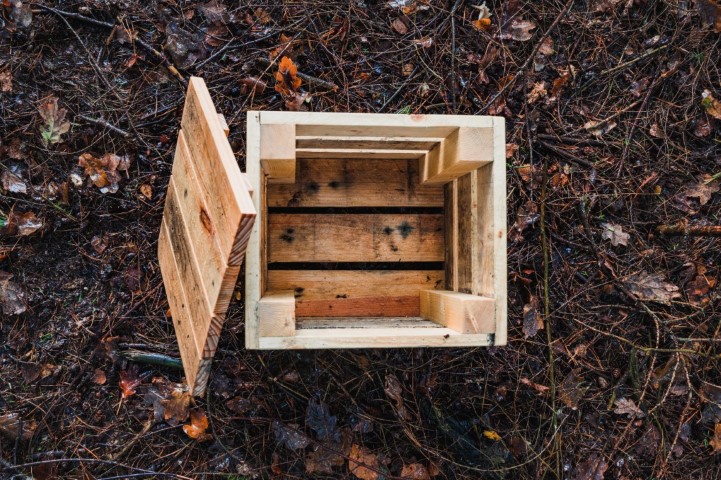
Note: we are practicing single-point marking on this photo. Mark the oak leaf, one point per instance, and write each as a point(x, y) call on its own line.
point(651, 287)
point(287, 81)
point(197, 426)
point(55, 124)
point(616, 234)
point(626, 406)
point(362, 463)
point(415, 471)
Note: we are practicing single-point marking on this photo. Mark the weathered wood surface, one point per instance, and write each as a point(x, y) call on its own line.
point(355, 183)
point(356, 293)
point(462, 312)
point(368, 143)
point(276, 314)
point(206, 226)
point(277, 152)
point(355, 238)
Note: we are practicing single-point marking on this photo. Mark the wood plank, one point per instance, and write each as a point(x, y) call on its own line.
point(218, 278)
point(230, 207)
point(494, 236)
point(255, 262)
point(224, 124)
point(463, 151)
point(450, 194)
point(393, 143)
point(462, 312)
point(392, 337)
point(385, 154)
point(355, 293)
point(355, 238)
point(361, 122)
point(347, 183)
point(276, 314)
point(277, 152)
point(467, 259)
point(307, 323)
point(190, 352)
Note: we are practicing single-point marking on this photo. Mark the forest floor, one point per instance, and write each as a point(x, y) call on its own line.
point(613, 130)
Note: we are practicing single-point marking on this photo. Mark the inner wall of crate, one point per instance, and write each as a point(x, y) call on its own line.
point(355, 238)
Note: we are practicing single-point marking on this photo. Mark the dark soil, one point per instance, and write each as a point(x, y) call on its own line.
point(612, 368)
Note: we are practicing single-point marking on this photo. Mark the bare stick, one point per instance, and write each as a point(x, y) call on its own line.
point(690, 230)
point(104, 123)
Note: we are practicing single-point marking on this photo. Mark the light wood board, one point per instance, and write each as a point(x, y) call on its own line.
point(206, 226)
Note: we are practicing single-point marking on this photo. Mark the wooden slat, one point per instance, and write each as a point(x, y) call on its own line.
point(218, 278)
point(276, 314)
point(363, 124)
point(255, 262)
point(450, 228)
point(224, 124)
point(230, 207)
point(277, 152)
point(468, 259)
point(365, 143)
point(349, 293)
point(319, 323)
point(391, 337)
point(492, 184)
point(355, 238)
point(347, 183)
point(353, 153)
point(463, 151)
point(462, 312)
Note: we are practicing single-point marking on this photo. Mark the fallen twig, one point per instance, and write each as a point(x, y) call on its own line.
point(690, 230)
point(106, 124)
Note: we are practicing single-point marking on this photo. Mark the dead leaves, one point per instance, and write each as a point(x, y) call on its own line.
point(571, 390)
point(626, 406)
point(6, 80)
point(651, 287)
point(12, 295)
point(715, 441)
point(532, 320)
point(697, 194)
point(13, 182)
point(20, 223)
point(13, 427)
point(287, 81)
point(518, 29)
point(710, 13)
point(711, 105)
point(197, 426)
point(483, 22)
point(103, 171)
point(129, 381)
point(394, 391)
point(593, 468)
point(615, 233)
point(363, 464)
point(290, 436)
point(598, 128)
point(55, 124)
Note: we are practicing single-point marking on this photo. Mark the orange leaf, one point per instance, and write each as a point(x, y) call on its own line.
point(197, 426)
point(363, 464)
point(129, 381)
point(716, 439)
point(287, 81)
point(482, 24)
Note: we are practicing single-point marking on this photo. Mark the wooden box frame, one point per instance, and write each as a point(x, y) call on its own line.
point(463, 154)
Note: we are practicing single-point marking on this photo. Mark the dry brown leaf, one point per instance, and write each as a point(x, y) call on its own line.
point(542, 389)
point(424, 42)
point(262, 15)
point(38, 371)
point(104, 171)
point(407, 69)
point(129, 381)
point(99, 243)
point(252, 83)
point(711, 105)
point(415, 471)
point(702, 128)
point(146, 190)
point(547, 47)
point(532, 320)
point(6, 81)
point(615, 233)
point(651, 287)
point(570, 391)
point(175, 408)
point(537, 92)
point(698, 290)
point(197, 426)
point(99, 377)
point(626, 406)
point(715, 441)
point(24, 223)
point(362, 463)
point(11, 424)
point(290, 436)
point(12, 182)
point(592, 468)
point(511, 149)
point(394, 391)
point(55, 124)
point(399, 26)
point(710, 13)
point(519, 30)
point(12, 295)
point(286, 78)
point(598, 128)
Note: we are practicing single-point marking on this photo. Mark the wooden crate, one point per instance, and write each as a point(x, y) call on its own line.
point(376, 231)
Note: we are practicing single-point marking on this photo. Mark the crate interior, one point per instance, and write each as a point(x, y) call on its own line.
point(355, 239)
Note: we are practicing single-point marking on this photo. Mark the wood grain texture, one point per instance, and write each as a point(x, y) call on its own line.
point(355, 293)
point(368, 143)
point(463, 151)
point(385, 154)
point(462, 312)
point(276, 314)
point(467, 258)
point(355, 182)
point(362, 124)
point(355, 238)
point(206, 224)
point(277, 152)
point(255, 262)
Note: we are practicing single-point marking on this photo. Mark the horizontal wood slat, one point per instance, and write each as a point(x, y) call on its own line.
point(355, 182)
point(385, 154)
point(355, 238)
point(348, 293)
point(365, 143)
